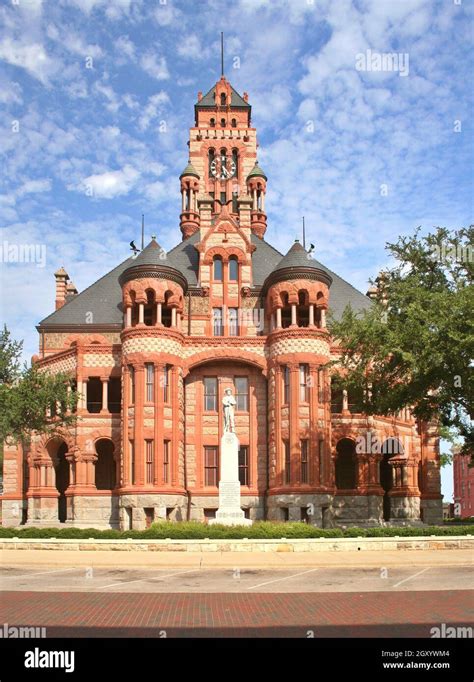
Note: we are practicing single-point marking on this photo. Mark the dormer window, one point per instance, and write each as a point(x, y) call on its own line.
point(217, 269)
point(233, 269)
point(223, 99)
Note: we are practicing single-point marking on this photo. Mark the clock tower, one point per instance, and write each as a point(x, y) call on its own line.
point(222, 177)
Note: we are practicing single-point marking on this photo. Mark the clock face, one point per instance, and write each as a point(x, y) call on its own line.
point(223, 167)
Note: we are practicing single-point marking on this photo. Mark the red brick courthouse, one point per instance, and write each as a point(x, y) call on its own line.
point(154, 343)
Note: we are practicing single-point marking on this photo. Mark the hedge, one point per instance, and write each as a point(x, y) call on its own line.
point(194, 530)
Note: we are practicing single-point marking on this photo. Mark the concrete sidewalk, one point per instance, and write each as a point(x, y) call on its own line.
point(106, 559)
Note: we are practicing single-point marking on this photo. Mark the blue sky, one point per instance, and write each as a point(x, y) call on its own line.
point(99, 94)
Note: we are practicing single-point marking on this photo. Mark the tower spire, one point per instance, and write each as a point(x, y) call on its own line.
point(222, 53)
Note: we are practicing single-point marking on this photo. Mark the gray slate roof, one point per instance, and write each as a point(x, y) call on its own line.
point(235, 101)
point(104, 297)
point(297, 256)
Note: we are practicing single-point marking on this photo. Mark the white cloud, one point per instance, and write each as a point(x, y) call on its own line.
point(154, 107)
point(34, 186)
point(109, 184)
point(29, 56)
point(190, 48)
point(125, 46)
point(73, 42)
point(166, 14)
point(10, 92)
point(155, 66)
point(114, 9)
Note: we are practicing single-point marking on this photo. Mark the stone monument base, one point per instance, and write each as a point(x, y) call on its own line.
point(229, 512)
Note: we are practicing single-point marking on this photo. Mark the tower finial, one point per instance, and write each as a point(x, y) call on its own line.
point(304, 235)
point(222, 53)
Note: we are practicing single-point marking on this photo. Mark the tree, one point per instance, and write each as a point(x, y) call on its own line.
point(415, 346)
point(31, 399)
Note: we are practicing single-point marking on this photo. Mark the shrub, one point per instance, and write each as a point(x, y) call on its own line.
point(260, 530)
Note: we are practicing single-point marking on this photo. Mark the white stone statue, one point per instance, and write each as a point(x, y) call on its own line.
point(229, 403)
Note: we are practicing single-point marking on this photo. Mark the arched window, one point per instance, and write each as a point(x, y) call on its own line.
point(57, 450)
point(166, 310)
point(390, 448)
point(285, 311)
point(217, 269)
point(222, 122)
point(234, 123)
point(336, 394)
point(303, 308)
point(211, 155)
point(223, 99)
point(105, 465)
point(346, 465)
point(149, 316)
point(235, 159)
point(212, 122)
point(233, 269)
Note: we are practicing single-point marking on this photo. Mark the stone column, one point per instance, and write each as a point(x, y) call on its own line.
point(138, 420)
point(125, 440)
point(174, 452)
point(128, 316)
point(158, 314)
point(323, 318)
point(294, 423)
point(279, 477)
point(141, 313)
point(158, 426)
point(293, 314)
point(105, 386)
point(84, 393)
point(311, 315)
point(313, 464)
point(278, 318)
point(345, 401)
point(173, 317)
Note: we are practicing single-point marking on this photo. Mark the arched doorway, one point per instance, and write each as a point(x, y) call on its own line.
point(57, 450)
point(390, 448)
point(105, 469)
point(346, 465)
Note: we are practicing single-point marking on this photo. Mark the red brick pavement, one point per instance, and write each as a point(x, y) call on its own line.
point(368, 614)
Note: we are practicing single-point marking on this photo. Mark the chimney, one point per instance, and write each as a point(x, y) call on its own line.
point(372, 292)
point(246, 97)
point(70, 289)
point(61, 287)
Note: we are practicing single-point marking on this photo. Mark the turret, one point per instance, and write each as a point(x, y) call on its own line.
point(189, 218)
point(256, 188)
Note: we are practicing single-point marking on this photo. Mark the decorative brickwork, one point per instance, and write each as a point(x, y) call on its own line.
point(222, 310)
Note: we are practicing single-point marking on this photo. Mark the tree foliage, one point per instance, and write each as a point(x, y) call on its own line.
point(415, 346)
point(31, 399)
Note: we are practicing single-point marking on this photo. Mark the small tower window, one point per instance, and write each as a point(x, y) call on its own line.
point(212, 122)
point(211, 157)
point(222, 122)
point(233, 269)
point(235, 159)
point(234, 123)
point(223, 99)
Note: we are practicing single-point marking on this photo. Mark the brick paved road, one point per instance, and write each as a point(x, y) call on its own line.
point(369, 614)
